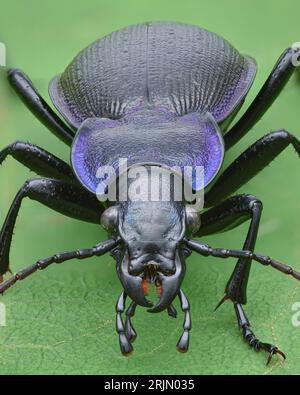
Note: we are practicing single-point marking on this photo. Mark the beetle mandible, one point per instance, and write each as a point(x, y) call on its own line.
point(159, 93)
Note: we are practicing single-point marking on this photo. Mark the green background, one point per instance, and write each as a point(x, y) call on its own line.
point(62, 320)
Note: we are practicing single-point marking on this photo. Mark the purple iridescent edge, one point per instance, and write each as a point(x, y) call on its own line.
point(162, 139)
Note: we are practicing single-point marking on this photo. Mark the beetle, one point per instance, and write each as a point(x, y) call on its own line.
point(163, 94)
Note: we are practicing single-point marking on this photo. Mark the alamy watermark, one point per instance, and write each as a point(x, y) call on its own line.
point(150, 183)
point(296, 315)
point(296, 56)
point(2, 54)
point(2, 314)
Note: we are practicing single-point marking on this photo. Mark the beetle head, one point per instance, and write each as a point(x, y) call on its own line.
point(152, 251)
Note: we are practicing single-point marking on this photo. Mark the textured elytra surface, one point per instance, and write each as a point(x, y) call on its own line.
point(176, 66)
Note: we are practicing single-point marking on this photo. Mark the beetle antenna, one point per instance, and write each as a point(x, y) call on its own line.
point(98, 250)
point(205, 250)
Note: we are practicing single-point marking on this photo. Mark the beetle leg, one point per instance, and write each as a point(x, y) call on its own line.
point(38, 160)
point(250, 337)
point(275, 83)
point(258, 156)
point(226, 216)
point(37, 105)
point(246, 166)
point(125, 345)
point(66, 198)
point(183, 342)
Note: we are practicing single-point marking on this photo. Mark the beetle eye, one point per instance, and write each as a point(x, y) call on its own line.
point(192, 220)
point(109, 219)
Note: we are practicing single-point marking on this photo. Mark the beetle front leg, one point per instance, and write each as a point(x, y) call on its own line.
point(61, 196)
point(226, 216)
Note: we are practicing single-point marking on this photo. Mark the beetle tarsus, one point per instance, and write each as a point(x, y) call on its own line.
point(251, 338)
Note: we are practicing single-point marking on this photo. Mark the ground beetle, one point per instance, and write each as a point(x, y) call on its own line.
point(164, 94)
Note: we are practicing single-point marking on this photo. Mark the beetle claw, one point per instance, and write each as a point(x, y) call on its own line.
point(272, 350)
